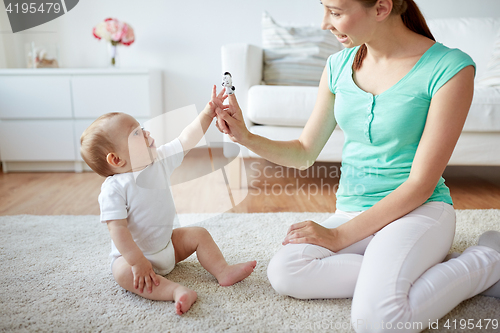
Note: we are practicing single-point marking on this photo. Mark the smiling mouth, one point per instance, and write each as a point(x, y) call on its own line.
point(342, 38)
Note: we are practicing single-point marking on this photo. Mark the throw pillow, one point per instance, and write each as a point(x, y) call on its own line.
point(295, 55)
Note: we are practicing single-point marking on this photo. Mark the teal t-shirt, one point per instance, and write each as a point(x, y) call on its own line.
point(382, 132)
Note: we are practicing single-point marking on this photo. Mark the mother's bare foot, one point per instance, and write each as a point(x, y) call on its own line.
point(184, 298)
point(236, 273)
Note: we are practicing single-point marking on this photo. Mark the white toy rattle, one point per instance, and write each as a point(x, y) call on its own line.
point(227, 81)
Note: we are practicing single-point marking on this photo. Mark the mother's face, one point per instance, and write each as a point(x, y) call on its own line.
point(349, 21)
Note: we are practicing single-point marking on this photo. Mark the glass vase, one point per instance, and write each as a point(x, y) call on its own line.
point(113, 55)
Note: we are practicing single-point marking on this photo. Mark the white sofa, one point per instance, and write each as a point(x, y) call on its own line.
point(280, 112)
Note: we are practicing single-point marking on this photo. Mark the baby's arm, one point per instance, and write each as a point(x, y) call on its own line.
point(193, 133)
point(141, 267)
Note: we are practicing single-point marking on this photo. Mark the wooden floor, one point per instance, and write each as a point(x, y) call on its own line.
point(271, 188)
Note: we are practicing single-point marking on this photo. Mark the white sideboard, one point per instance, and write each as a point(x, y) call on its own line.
point(43, 112)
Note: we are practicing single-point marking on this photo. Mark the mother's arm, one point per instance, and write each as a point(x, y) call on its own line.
point(300, 153)
point(445, 120)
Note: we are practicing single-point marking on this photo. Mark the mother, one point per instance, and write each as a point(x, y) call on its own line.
point(401, 100)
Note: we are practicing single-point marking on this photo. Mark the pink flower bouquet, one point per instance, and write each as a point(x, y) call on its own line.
point(114, 31)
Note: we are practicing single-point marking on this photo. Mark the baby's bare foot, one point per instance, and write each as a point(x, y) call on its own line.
point(184, 298)
point(236, 273)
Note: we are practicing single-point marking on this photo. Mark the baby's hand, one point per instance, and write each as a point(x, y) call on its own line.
point(143, 275)
point(216, 102)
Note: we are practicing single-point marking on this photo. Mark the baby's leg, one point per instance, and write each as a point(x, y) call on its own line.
point(188, 240)
point(165, 291)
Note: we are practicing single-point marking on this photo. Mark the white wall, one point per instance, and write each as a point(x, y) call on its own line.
point(183, 38)
point(4, 29)
point(3, 62)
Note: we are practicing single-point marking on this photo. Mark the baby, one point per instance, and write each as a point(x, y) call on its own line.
point(138, 208)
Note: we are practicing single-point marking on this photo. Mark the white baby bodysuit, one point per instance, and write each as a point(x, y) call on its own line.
point(144, 199)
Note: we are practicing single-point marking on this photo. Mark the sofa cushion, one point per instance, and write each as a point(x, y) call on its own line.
point(484, 113)
point(491, 77)
point(295, 55)
point(281, 105)
point(292, 106)
point(474, 36)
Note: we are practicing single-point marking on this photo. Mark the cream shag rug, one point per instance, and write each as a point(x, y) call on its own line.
point(55, 276)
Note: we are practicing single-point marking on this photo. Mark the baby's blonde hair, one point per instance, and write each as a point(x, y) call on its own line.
point(95, 145)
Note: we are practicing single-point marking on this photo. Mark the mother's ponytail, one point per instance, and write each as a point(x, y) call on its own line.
point(412, 18)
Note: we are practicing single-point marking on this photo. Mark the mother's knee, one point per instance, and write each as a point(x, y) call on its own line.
point(277, 274)
point(283, 267)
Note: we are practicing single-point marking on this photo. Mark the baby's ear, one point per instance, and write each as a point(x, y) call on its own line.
point(114, 160)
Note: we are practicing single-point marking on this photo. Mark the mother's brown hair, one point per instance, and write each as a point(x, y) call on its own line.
point(410, 14)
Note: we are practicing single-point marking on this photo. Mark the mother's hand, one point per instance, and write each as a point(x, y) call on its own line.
point(311, 232)
point(230, 121)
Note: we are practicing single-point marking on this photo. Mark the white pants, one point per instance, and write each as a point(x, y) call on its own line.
point(395, 276)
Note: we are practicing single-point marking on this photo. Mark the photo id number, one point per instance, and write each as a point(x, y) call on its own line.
point(25, 7)
point(478, 324)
